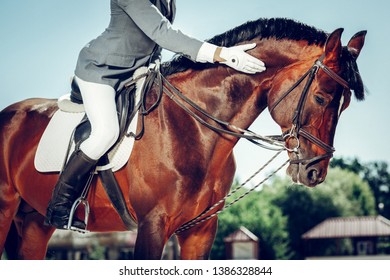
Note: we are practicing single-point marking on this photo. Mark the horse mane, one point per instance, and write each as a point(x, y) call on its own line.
point(279, 28)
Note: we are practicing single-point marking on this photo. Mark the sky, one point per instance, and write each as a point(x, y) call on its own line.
point(41, 41)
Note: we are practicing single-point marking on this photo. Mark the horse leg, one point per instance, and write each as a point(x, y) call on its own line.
point(34, 236)
point(22, 233)
point(9, 203)
point(196, 243)
point(12, 243)
point(151, 238)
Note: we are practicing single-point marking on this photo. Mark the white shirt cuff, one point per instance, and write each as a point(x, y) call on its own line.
point(206, 53)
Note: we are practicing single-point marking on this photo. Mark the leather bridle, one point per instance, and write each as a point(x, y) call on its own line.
point(296, 128)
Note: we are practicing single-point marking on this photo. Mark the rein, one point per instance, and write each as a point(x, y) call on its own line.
point(235, 131)
point(274, 142)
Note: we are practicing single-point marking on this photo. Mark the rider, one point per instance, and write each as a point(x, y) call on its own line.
point(137, 32)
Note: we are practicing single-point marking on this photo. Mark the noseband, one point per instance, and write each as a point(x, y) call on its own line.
point(296, 128)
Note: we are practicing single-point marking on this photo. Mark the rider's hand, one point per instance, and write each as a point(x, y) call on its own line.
point(235, 57)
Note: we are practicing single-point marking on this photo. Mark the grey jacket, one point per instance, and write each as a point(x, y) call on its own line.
point(136, 26)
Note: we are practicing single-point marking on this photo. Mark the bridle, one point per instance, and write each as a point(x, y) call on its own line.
point(296, 127)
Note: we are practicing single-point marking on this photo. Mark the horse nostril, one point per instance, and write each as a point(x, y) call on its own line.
point(315, 176)
point(312, 175)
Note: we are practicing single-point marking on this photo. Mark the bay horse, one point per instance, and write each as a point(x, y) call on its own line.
point(180, 167)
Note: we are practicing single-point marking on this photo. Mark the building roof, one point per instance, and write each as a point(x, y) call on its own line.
point(346, 227)
point(241, 235)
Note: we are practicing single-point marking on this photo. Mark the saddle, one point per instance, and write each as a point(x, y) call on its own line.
point(125, 103)
point(127, 109)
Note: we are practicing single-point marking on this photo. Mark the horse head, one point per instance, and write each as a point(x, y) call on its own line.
point(306, 86)
point(307, 104)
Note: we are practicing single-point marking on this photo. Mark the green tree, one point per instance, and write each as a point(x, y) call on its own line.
point(376, 174)
point(343, 193)
point(257, 213)
point(281, 212)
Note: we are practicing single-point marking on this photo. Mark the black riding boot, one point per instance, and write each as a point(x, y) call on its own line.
point(69, 187)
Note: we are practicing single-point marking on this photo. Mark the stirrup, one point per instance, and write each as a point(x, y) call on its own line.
point(81, 200)
point(76, 204)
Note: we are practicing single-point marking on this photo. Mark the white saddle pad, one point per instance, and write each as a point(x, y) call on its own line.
point(53, 146)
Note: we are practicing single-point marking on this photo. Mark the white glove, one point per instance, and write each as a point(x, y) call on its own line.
point(237, 58)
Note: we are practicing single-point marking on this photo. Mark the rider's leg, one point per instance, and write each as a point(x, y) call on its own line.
point(100, 107)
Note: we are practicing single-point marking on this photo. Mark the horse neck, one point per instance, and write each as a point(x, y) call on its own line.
point(239, 98)
point(231, 95)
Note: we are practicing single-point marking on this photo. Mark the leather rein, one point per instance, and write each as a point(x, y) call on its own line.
point(268, 142)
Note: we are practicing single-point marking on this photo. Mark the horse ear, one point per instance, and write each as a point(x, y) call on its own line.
point(356, 43)
point(333, 46)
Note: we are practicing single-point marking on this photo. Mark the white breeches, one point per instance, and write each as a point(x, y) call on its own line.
point(100, 107)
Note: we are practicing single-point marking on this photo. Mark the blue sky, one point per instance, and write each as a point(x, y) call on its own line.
point(41, 41)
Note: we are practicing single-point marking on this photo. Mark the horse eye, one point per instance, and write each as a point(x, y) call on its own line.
point(319, 100)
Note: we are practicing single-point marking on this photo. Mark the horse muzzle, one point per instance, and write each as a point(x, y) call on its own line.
point(308, 172)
